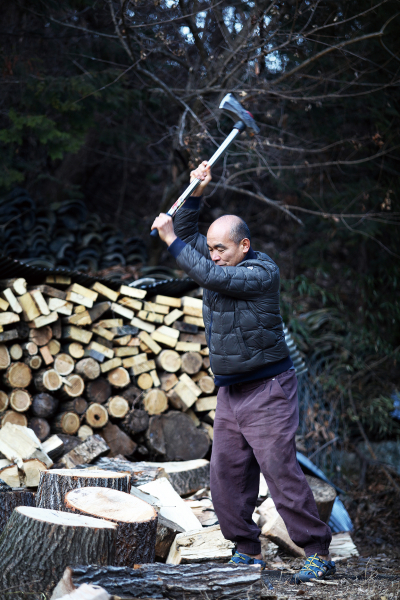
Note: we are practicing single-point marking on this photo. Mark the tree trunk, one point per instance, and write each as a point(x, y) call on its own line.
point(64, 364)
point(136, 521)
point(117, 407)
point(66, 422)
point(10, 500)
point(135, 421)
point(18, 375)
point(155, 402)
point(38, 544)
point(41, 427)
point(96, 416)
point(47, 381)
point(20, 400)
point(93, 447)
point(88, 369)
point(169, 361)
point(213, 581)
point(98, 390)
point(55, 484)
point(174, 437)
point(78, 405)
point(118, 441)
point(191, 362)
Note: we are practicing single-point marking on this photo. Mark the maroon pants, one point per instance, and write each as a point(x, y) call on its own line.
point(254, 428)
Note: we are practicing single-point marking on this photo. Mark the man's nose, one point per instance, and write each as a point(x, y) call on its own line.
point(215, 256)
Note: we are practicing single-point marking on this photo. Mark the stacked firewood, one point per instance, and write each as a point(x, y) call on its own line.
point(78, 361)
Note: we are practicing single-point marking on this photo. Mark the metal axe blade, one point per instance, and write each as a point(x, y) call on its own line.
point(235, 110)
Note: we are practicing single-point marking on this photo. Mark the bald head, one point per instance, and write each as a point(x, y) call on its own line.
point(228, 240)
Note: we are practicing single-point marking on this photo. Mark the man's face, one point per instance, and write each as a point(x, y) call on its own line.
point(224, 252)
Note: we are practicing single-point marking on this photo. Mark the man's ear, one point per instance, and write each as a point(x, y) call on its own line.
point(245, 245)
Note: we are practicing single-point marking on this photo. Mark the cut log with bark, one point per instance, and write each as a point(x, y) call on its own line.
point(20, 400)
point(41, 427)
point(136, 421)
point(18, 375)
point(119, 378)
point(64, 364)
point(324, 496)
point(41, 336)
point(55, 484)
point(84, 432)
point(66, 422)
point(88, 369)
point(145, 381)
point(214, 581)
point(173, 436)
point(47, 381)
point(206, 384)
point(73, 387)
point(75, 349)
point(11, 499)
point(166, 532)
point(44, 406)
point(32, 469)
point(136, 521)
point(192, 362)
point(19, 443)
point(187, 477)
point(4, 401)
point(169, 360)
point(181, 396)
point(16, 352)
point(141, 472)
point(117, 407)
point(5, 359)
point(155, 402)
point(118, 441)
point(10, 416)
point(98, 391)
point(33, 362)
point(54, 347)
point(93, 447)
point(96, 416)
point(37, 545)
point(78, 405)
point(11, 476)
point(53, 447)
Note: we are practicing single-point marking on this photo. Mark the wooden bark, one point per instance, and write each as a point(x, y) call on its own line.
point(117, 407)
point(88, 369)
point(136, 421)
point(38, 544)
point(41, 336)
point(33, 362)
point(93, 447)
point(4, 401)
point(66, 422)
point(213, 581)
point(187, 477)
point(155, 402)
point(191, 362)
point(141, 472)
point(136, 521)
point(20, 400)
point(145, 381)
point(118, 441)
point(324, 496)
point(44, 405)
point(166, 532)
point(78, 405)
point(10, 500)
point(73, 387)
point(173, 436)
point(119, 378)
point(18, 375)
point(96, 416)
point(10, 416)
point(98, 390)
point(169, 360)
point(41, 427)
point(47, 381)
point(64, 364)
point(55, 484)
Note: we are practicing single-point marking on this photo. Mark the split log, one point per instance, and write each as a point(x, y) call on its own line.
point(191, 362)
point(66, 422)
point(11, 499)
point(75, 349)
point(136, 521)
point(16, 352)
point(189, 476)
point(166, 532)
point(93, 447)
point(73, 388)
point(145, 381)
point(117, 440)
point(169, 360)
point(46, 355)
point(53, 446)
point(69, 442)
point(4, 401)
point(20, 400)
point(78, 405)
point(96, 416)
point(88, 369)
point(155, 402)
point(119, 377)
point(18, 443)
point(168, 380)
point(200, 546)
point(5, 359)
point(41, 427)
point(206, 404)
point(135, 421)
point(275, 530)
point(44, 406)
point(173, 436)
point(55, 484)
point(141, 472)
point(47, 381)
point(98, 390)
point(18, 285)
point(38, 544)
point(213, 581)
point(10, 475)
point(10, 416)
point(33, 362)
point(181, 396)
point(18, 375)
point(84, 432)
point(64, 364)
point(83, 592)
point(32, 469)
point(41, 336)
point(117, 407)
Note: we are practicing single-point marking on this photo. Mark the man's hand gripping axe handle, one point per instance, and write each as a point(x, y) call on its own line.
point(234, 109)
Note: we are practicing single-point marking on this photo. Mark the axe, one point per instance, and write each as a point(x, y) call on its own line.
point(244, 120)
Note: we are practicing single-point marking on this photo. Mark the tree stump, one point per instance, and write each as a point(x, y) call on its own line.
point(175, 437)
point(41, 427)
point(64, 364)
point(136, 521)
point(18, 375)
point(155, 402)
point(96, 416)
point(88, 369)
point(55, 484)
point(136, 421)
point(98, 390)
point(10, 500)
point(191, 362)
point(38, 544)
point(119, 377)
point(66, 422)
point(44, 405)
point(20, 400)
point(47, 381)
point(117, 407)
point(169, 361)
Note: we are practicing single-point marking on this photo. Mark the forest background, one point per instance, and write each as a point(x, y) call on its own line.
point(114, 102)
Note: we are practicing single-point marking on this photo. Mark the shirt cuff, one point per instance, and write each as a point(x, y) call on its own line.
point(176, 247)
point(193, 203)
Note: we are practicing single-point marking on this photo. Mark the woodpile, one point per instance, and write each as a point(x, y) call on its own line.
point(77, 361)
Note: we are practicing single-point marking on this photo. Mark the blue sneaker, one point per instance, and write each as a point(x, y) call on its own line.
point(314, 565)
point(244, 559)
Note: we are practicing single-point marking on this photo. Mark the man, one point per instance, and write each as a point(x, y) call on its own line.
point(257, 409)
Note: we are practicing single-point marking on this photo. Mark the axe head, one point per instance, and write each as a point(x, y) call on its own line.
point(236, 111)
